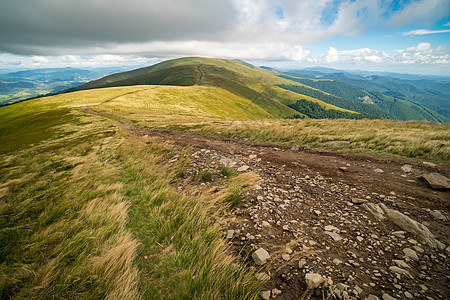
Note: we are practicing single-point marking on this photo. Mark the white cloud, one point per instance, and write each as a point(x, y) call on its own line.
point(8, 61)
point(419, 48)
point(422, 11)
point(357, 56)
point(332, 55)
point(39, 60)
point(424, 31)
point(422, 54)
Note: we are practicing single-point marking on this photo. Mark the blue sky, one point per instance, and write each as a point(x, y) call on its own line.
point(410, 36)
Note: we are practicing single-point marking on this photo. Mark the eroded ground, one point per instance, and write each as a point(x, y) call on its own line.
point(302, 191)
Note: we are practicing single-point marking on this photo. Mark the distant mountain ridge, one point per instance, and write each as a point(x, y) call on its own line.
point(19, 85)
point(406, 99)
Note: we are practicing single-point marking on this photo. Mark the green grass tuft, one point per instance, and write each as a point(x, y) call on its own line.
point(228, 172)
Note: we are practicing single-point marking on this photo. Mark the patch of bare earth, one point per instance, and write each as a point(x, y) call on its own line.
point(310, 211)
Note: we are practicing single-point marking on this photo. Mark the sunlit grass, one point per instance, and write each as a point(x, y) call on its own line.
point(414, 139)
point(88, 211)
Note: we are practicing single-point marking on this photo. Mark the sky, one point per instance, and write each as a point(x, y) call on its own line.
point(404, 36)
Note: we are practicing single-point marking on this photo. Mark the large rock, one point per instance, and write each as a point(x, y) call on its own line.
point(437, 181)
point(260, 256)
point(400, 271)
point(414, 227)
point(336, 237)
point(227, 162)
point(265, 295)
point(374, 209)
point(313, 280)
point(438, 215)
point(243, 168)
point(410, 253)
point(331, 228)
point(407, 168)
point(387, 297)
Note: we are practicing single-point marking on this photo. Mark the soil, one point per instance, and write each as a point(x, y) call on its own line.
point(303, 190)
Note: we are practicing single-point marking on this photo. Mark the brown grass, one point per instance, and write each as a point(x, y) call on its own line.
point(415, 139)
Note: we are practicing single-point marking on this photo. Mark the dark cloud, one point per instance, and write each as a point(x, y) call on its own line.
point(37, 26)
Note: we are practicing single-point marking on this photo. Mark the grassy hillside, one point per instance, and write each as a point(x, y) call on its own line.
point(88, 211)
point(237, 67)
point(17, 86)
point(251, 83)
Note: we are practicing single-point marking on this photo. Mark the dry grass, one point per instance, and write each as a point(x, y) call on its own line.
point(89, 212)
point(415, 139)
point(63, 228)
point(181, 247)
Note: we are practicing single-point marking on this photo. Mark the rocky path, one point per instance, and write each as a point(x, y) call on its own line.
point(363, 227)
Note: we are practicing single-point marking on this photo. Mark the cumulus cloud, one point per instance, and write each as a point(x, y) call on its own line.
point(356, 56)
point(332, 55)
point(423, 53)
point(8, 61)
point(420, 54)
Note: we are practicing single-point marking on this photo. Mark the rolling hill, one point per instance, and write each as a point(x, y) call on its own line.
point(241, 79)
point(278, 93)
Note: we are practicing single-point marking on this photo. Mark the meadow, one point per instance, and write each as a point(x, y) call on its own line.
point(89, 211)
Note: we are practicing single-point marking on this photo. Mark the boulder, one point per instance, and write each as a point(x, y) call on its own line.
point(400, 271)
point(260, 256)
point(301, 263)
point(243, 168)
point(438, 215)
point(407, 168)
point(265, 295)
point(410, 253)
point(336, 237)
point(374, 209)
point(436, 181)
point(313, 280)
point(414, 227)
point(331, 228)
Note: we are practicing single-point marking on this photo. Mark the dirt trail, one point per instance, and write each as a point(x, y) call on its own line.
point(310, 211)
point(304, 190)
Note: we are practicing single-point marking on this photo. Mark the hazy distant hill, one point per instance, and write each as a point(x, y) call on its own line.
point(19, 85)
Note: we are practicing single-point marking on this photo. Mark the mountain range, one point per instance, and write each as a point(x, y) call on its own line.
point(307, 93)
point(19, 85)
